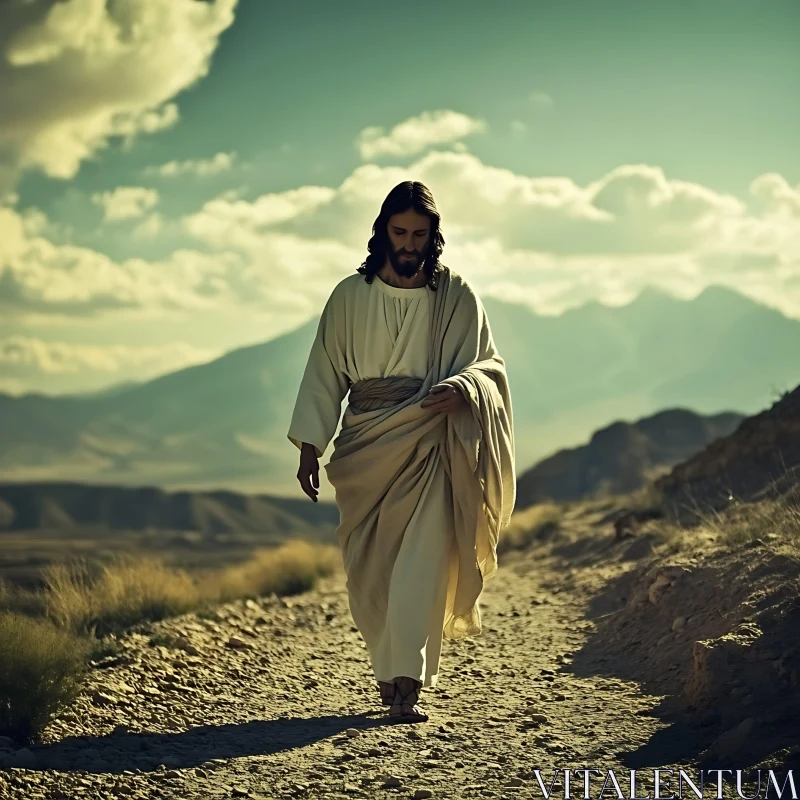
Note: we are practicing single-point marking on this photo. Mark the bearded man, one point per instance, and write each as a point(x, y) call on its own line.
point(423, 467)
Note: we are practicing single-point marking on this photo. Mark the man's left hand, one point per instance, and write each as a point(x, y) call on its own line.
point(445, 397)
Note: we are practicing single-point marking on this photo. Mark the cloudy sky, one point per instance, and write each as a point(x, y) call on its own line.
point(182, 177)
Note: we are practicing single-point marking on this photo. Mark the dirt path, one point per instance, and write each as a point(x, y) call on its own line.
point(276, 699)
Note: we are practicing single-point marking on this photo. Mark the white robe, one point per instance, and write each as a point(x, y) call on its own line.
point(391, 329)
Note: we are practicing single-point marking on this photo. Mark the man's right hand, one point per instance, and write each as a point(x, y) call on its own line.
point(309, 469)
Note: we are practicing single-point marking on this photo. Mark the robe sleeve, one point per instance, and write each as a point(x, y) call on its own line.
point(319, 400)
point(485, 431)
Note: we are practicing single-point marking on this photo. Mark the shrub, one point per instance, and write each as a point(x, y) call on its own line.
point(744, 522)
point(42, 659)
point(528, 525)
point(291, 568)
point(23, 601)
point(41, 667)
point(128, 591)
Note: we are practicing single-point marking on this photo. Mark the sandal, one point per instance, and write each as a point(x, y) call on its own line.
point(405, 707)
point(386, 688)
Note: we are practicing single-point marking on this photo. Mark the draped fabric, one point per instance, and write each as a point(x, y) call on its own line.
point(369, 394)
point(384, 455)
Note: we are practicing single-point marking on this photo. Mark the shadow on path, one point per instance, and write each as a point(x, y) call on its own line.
point(148, 751)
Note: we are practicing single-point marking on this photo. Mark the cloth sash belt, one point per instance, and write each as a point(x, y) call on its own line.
point(370, 394)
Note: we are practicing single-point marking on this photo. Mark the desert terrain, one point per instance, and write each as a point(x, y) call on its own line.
point(598, 650)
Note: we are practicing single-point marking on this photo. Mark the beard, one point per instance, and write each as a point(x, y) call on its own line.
point(406, 267)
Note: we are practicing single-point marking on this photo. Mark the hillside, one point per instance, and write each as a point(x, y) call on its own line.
point(216, 424)
point(621, 457)
point(759, 460)
point(223, 424)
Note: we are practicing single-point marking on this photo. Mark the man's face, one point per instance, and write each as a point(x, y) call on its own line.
point(409, 235)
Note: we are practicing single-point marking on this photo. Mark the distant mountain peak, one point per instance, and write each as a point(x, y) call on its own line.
point(650, 292)
point(717, 293)
point(715, 298)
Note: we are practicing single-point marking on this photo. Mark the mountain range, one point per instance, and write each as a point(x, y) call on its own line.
point(56, 522)
point(223, 424)
point(622, 457)
point(36, 506)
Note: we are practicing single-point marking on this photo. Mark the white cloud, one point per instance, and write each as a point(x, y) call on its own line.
point(221, 162)
point(149, 228)
point(548, 241)
point(777, 195)
point(55, 358)
point(418, 133)
point(222, 216)
point(73, 74)
point(633, 209)
point(151, 121)
point(39, 276)
point(126, 202)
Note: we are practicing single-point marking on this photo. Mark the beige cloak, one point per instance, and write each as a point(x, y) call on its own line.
point(381, 458)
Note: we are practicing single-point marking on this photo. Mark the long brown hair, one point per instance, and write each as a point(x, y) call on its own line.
point(404, 196)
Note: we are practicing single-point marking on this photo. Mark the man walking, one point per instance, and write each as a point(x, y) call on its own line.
point(423, 467)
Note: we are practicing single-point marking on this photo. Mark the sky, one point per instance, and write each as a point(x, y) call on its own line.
point(179, 178)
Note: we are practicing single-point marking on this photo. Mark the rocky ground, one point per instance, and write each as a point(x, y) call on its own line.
point(597, 651)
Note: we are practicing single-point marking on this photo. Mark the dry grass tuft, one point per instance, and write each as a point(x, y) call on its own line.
point(41, 666)
point(529, 525)
point(648, 496)
point(289, 569)
point(742, 522)
point(127, 591)
point(136, 589)
point(20, 600)
point(47, 637)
